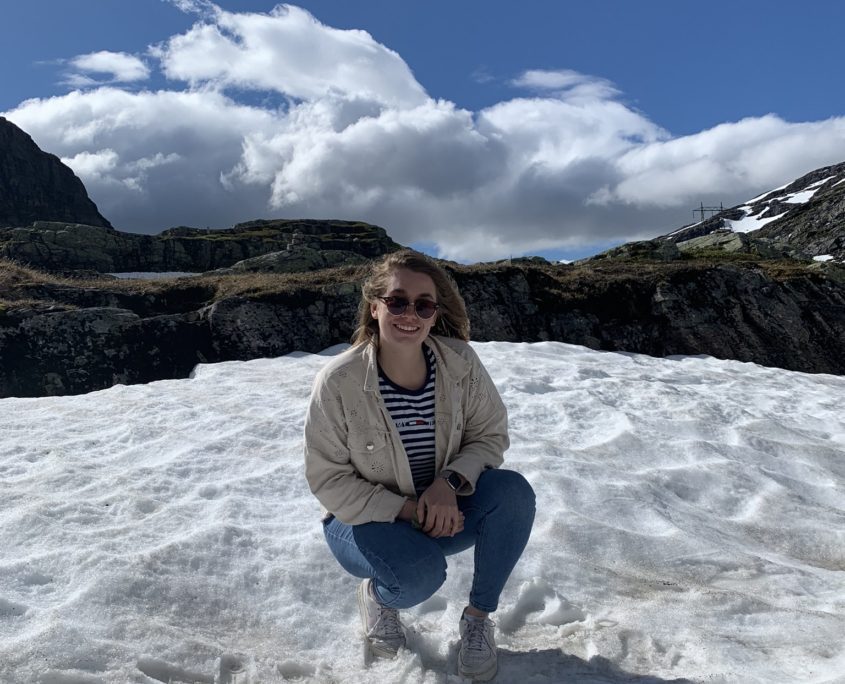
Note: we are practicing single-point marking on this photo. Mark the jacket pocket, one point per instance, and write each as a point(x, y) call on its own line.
point(369, 451)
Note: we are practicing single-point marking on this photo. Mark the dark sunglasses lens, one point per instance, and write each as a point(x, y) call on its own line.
point(425, 309)
point(396, 305)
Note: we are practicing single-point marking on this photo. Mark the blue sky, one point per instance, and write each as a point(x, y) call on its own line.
point(479, 130)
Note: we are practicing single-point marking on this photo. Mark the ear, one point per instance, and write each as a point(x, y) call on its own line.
point(374, 310)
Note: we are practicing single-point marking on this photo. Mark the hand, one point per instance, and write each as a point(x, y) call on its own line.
point(437, 510)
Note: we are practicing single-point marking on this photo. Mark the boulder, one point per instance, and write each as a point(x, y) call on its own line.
point(295, 259)
point(728, 242)
point(72, 351)
point(649, 250)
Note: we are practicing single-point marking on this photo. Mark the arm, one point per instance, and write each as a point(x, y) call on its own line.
point(328, 468)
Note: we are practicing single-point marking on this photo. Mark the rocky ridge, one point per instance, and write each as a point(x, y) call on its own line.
point(303, 244)
point(806, 216)
point(60, 337)
point(37, 186)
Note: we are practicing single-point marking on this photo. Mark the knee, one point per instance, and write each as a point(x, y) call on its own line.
point(511, 488)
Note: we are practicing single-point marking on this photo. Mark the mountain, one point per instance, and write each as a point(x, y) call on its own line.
point(807, 215)
point(37, 186)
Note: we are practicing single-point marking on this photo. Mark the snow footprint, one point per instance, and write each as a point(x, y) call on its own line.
point(295, 671)
point(11, 609)
point(232, 669)
point(162, 671)
point(537, 595)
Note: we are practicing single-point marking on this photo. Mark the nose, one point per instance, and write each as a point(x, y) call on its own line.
point(410, 312)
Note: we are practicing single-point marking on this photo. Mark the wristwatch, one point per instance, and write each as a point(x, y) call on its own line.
point(454, 480)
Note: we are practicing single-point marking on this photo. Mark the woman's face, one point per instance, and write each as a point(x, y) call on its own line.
point(407, 328)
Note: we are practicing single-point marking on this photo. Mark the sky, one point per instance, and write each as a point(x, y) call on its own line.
point(690, 527)
point(472, 130)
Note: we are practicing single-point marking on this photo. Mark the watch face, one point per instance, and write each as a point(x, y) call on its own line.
point(454, 480)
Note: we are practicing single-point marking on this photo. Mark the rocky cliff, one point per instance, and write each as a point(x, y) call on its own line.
point(57, 337)
point(298, 244)
point(37, 186)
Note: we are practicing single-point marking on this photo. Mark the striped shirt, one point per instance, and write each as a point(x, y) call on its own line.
point(412, 412)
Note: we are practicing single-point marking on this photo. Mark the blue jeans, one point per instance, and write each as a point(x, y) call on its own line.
point(408, 566)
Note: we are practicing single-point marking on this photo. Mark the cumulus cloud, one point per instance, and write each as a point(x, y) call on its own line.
point(290, 52)
point(116, 67)
point(565, 165)
point(752, 153)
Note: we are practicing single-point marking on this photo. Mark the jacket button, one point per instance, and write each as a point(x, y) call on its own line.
point(370, 446)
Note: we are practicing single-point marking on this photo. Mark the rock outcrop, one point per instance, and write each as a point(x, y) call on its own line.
point(300, 244)
point(816, 225)
point(295, 260)
point(84, 338)
point(728, 242)
point(37, 186)
point(806, 216)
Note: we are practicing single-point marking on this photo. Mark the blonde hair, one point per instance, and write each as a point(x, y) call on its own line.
point(452, 320)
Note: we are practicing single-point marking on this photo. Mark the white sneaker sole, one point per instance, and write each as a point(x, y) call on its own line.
point(484, 676)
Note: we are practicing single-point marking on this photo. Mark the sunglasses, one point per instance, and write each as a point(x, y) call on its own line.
point(425, 308)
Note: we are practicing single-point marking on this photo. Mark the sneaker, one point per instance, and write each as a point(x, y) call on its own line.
point(381, 625)
point(477, 659)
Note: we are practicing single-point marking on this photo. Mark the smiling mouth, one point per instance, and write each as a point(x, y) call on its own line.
point(405, 328)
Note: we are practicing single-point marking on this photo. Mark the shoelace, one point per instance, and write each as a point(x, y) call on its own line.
point(475, 635)
point(387, 624)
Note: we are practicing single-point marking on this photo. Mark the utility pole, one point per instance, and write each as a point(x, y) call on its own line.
point(712, 210)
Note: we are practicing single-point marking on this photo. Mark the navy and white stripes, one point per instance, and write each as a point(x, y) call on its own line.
point(413, 414)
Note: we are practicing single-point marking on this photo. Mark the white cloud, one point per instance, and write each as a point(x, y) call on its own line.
point(290, 52)
point(358, 138)
point(93, 164)
point(730, 160)
point(566, 83)
point(119, 67)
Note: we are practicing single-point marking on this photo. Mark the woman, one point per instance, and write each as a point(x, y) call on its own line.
point(404, 436)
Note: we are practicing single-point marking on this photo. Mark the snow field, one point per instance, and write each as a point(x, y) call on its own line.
point(690, 527)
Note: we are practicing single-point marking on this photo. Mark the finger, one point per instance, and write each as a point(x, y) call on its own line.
point(432, 520)
point(441, 526)
point(448, 525)
point(433, 516)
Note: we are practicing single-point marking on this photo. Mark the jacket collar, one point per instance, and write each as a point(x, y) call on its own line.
point(452, 364)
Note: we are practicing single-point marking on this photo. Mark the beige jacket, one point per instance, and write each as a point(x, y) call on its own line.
point(355, 463)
